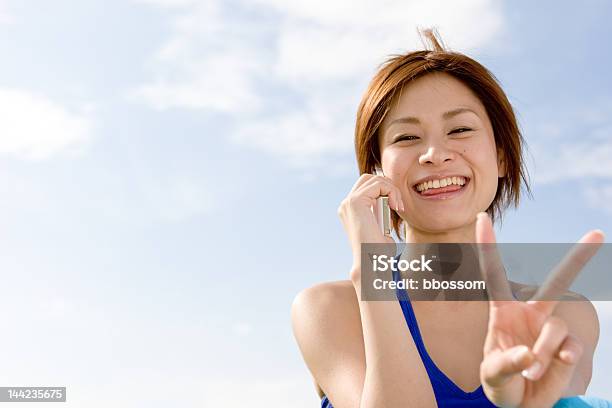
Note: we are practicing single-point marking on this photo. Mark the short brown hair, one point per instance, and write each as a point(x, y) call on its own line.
point(400, 69)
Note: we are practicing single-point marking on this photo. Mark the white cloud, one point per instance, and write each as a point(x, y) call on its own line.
point(300, 137)
point(178, 199)
point(290, 74)
point(572, 160)
point(5, 16)
point(600, 197)
point(571, 142)
point(168, 3)
point(142, 197)
point(242, 329)
point(206, 64)
point(33, 127)
point(322, 40)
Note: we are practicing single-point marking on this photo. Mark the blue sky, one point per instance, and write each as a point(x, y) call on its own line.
point(171, 169)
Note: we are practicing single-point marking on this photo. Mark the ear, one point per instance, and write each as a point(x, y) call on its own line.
point(501, 164)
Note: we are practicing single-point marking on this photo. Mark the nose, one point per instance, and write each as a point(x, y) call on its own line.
point(437, 155)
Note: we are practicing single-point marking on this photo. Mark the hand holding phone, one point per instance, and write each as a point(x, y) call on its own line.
point(382, 209)
point(366, 213)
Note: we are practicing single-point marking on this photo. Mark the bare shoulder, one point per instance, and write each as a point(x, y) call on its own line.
point(340, 293)
point(325, 309)
point(582, 321)
point(581, 317)
point(577, 311)
point(327, 326)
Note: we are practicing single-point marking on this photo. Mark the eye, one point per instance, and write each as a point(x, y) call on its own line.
point(460, 130)
point(405, 137)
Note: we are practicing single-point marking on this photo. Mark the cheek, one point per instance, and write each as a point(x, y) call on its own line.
point(483, 159)
point(396, 162)
point(482, 152)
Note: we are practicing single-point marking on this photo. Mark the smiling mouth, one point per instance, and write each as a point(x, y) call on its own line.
point(442, 186)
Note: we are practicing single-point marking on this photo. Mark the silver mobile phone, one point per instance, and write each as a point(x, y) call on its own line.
point(382, 210)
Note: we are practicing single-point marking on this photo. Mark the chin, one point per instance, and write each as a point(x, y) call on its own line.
point(438, 223)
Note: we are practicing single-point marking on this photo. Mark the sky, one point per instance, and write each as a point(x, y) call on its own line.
point(170, 172)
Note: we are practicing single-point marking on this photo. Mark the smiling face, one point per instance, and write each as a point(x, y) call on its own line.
point(437, 146)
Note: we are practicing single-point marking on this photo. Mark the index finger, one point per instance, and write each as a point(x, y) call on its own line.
point(491, 265)
point(563, 275)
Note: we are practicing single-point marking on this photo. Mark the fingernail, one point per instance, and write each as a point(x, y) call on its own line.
point(532, 372)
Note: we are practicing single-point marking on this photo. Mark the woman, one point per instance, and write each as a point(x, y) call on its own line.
point(429, 116)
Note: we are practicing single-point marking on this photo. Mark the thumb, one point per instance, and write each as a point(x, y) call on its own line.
point(497, 368)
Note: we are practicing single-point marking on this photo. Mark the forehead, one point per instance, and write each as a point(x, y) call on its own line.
point(431, 95)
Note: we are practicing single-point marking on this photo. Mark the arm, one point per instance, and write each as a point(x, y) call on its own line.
point(395, 374)
point(327, 327)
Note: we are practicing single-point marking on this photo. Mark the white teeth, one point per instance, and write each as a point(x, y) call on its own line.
point(457, 180)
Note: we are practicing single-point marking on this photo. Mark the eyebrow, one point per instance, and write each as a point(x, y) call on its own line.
point(445, 115)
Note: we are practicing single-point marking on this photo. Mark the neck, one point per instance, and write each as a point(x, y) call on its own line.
point(465, 233)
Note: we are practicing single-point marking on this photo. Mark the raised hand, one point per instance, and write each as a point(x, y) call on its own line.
point(357, 216)
point(529, 355)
